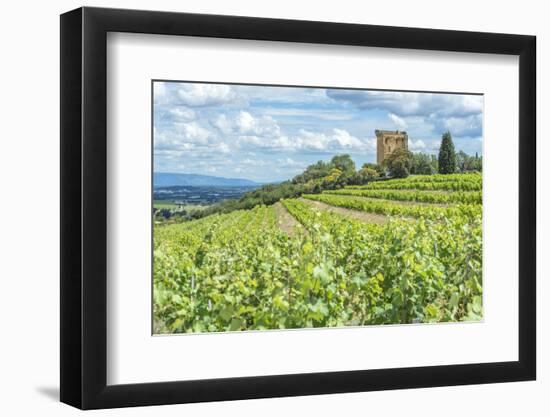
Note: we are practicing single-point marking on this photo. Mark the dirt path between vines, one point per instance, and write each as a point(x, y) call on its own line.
point(286, 221)
point(353, 214)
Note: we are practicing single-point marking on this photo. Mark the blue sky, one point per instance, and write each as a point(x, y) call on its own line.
point(270, 134)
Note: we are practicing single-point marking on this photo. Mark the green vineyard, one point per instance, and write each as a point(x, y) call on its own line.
point(467, 197)
point(450, 182)
point(313, 261)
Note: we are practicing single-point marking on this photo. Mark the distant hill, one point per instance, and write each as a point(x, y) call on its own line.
point(166, 179)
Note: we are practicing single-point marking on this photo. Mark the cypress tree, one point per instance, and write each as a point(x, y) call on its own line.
point(447, 156)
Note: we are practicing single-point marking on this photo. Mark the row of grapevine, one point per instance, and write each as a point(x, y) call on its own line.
point(391, 208)
point(465, 197)
point(471, 176)
point(463, 182)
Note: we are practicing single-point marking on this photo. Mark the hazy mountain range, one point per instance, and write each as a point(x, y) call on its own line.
point(167, 179)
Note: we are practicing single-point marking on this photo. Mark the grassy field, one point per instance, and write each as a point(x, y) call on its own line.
point(165, 204)
point(171, 205)
point(398, 251)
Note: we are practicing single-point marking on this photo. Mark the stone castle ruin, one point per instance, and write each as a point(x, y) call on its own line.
point(388, 141)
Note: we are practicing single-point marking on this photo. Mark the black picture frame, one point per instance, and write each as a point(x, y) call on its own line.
point(84, 207)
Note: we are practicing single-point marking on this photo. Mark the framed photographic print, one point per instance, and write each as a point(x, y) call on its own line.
point(258, 207)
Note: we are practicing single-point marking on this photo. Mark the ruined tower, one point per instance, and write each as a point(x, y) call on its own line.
point(388, 141)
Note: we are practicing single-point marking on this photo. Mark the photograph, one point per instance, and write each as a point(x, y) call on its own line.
point(291, 207)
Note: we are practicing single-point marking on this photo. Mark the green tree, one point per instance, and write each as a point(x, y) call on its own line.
point(315, 171)
point(344, 163)
point(363, 176)
point(462, 160)
point(434, 163)
point(422, 164)
point(399, 163)
point(476, 163)
point(334, 180)
point(378, 168)
point(321, 169)
point(467, 163)
point(447, 156)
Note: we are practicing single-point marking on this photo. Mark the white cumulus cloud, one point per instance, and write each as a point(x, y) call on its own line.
point(338, 140)
point(462, 126)
point(182, 113)
point(198, 95)
point(417, 145)
point(223, 123)
point(193, 132)
point(411, 104)
point(398, 121)
point(260, 126)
